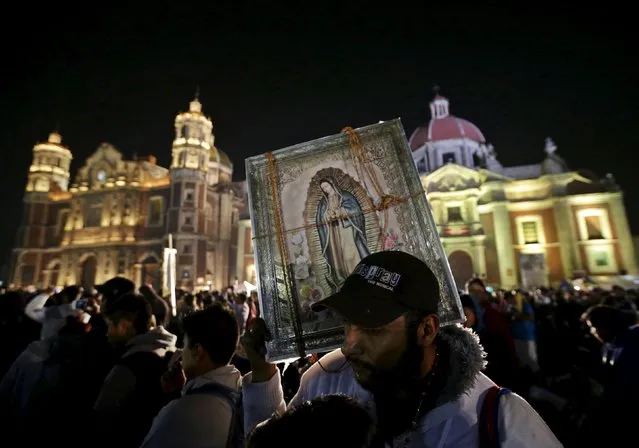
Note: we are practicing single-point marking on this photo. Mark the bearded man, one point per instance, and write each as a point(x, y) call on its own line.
point(422, 383)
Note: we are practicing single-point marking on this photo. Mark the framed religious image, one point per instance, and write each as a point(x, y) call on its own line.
point(317, 209)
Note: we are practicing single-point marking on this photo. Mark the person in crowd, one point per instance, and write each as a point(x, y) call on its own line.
point(208, 412)
point(60, 373)
point(616, 296)
point(499, 367)
point(115, 288)
point(495, 335)
point(242, 313)
point(618, 331)
point(159, 306)
point(131, 395)
point(17, 331)
point(186, 305)
point(524, 333)
point(242, 310)
point(422, 381)
point(342, 414)
point(110, 290)
point(254, 310)
point(51, 310)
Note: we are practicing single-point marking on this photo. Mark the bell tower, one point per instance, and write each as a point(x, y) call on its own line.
point(48, 173)
point(193, 138)
point(49, 170)
point(186, 214)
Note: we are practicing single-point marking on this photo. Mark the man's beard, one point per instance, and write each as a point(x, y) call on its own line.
point(403, 375)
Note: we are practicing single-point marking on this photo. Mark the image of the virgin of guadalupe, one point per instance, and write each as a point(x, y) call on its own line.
point(342, 232)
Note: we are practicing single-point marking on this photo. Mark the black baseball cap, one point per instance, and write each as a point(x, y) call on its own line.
point(384, 286)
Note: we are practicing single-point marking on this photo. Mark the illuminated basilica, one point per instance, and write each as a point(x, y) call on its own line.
point(525, 225)
point(116, 216)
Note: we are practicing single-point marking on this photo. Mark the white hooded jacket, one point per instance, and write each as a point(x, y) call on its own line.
point(453, 423)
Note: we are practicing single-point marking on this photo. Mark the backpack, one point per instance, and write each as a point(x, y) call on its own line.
point(234, 398)
point(148, 398)
point(489, 418)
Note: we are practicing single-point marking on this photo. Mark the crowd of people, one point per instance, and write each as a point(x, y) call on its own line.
point(116, 365)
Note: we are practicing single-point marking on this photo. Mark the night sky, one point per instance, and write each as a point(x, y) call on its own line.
point(277, 77)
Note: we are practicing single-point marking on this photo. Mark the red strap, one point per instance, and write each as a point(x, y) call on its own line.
point(487, 419)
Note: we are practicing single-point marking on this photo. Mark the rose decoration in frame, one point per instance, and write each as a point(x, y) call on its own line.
point(317, 209)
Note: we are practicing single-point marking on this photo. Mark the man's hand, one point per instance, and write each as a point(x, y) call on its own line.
point(254, 342)
point(94, 306)
point(173, 379)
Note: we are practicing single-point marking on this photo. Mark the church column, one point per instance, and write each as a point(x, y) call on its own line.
point(100, 267)
point(37, 280)
point(64, 269)
point(137, 274)
point(472, 214)
point(567, 235)
point(436, 210)
point(622, 232)
point(479, 256)
point(240, 260)
point(504, 245)
point(470, 204)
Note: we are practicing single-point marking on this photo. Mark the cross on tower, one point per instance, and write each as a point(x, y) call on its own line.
point(436, 89)
point(197, 92)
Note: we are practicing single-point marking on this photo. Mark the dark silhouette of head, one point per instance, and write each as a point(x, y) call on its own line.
point(316, 424)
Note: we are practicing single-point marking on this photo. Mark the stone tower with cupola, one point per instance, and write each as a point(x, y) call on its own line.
point(48, 179)
point(49, 170)
point(187, 201)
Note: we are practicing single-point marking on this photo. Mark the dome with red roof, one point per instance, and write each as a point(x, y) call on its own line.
point(444, 126)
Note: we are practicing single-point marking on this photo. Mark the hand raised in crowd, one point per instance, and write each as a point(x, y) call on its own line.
point(94, 306)
point(254, 342)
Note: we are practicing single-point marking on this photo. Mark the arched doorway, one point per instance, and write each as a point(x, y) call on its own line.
point(151, 272)
point(461, 264)
point(89, 269)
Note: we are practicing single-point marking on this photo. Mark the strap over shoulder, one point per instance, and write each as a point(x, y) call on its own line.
point(234, 397)
point(489, 418)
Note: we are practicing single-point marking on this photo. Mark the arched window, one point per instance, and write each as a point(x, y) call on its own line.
point(156, 211)
point(88, 272)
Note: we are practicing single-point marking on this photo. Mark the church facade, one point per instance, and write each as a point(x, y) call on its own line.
point(526, 225)
point(116, 216)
